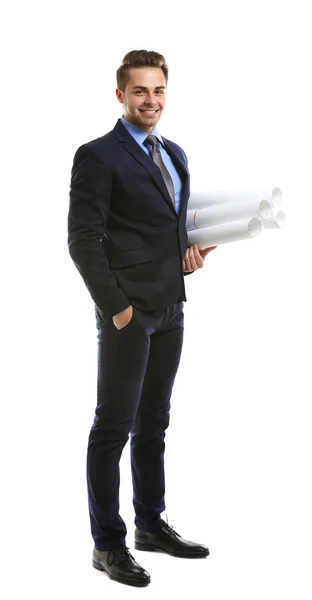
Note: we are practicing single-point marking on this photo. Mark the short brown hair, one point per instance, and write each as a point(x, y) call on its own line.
point(140, 58)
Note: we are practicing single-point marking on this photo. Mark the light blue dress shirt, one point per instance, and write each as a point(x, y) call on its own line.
point(140, 135)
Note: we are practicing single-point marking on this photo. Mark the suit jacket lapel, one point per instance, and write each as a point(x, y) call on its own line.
point(181, 168)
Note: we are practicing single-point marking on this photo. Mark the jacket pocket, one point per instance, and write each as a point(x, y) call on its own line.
point(132, 257)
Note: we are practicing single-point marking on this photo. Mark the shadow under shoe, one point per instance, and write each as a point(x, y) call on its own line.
point(168, 540)
point(120, 566)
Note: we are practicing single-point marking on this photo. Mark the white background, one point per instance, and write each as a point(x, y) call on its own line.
point(238, 457)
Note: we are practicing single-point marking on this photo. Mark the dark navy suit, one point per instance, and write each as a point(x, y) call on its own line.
point(128, 243)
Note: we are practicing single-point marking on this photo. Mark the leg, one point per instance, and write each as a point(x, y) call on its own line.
point(152, 419)
point(122, 360)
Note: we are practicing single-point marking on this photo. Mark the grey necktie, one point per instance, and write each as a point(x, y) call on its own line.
point(157, 158)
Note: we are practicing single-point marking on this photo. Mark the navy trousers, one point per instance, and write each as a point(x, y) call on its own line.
point(137, 366)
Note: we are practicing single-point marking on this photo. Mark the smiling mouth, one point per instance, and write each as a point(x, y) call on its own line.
point(149, 112)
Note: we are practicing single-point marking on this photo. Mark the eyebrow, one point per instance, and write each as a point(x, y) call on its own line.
point(141, 87)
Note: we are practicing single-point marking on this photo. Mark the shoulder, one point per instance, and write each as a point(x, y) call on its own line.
point(97, 146)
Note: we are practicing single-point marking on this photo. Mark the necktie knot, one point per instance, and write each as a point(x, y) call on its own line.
point(152, 140)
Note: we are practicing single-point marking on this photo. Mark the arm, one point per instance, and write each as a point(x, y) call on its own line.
point(185, 267)
point(90, 195)
point(194, 258)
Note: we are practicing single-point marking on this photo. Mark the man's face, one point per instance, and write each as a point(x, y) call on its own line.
point(145, 90)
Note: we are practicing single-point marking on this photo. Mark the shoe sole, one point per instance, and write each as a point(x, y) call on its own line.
point(100, 567)
point(150, 548)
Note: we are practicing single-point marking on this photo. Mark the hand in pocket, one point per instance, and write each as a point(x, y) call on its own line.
point(124, 318)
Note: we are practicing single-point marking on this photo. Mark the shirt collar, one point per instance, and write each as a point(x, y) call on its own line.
point(139, 134)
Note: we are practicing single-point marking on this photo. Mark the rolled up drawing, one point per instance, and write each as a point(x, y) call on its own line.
point(205, 199)
point(223, 233)
point(276, 221)
point(231, 211)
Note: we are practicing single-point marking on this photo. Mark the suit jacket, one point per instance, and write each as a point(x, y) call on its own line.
point(124, 235)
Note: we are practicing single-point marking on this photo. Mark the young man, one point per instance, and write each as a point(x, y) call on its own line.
point(127, 237)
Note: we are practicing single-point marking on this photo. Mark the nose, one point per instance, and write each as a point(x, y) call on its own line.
point(149, 99)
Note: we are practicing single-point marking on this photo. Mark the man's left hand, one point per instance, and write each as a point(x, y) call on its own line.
point(194, 258)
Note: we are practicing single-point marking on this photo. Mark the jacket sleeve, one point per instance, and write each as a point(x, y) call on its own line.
point(186, 272)
point(89, 204)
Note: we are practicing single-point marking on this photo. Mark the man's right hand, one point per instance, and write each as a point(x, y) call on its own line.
point(124, 318)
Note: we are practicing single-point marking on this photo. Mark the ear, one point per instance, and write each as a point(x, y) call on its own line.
point(119, 95)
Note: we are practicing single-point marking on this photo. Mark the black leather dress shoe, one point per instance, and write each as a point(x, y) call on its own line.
point(120, 566)
point(168, 540)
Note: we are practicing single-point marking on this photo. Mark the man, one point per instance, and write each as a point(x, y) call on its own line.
point(128, 239)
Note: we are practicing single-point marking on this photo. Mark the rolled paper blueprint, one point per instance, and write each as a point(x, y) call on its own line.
point(231, 231)
point(231, 211)
point(205, 199)
point(276, 221)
